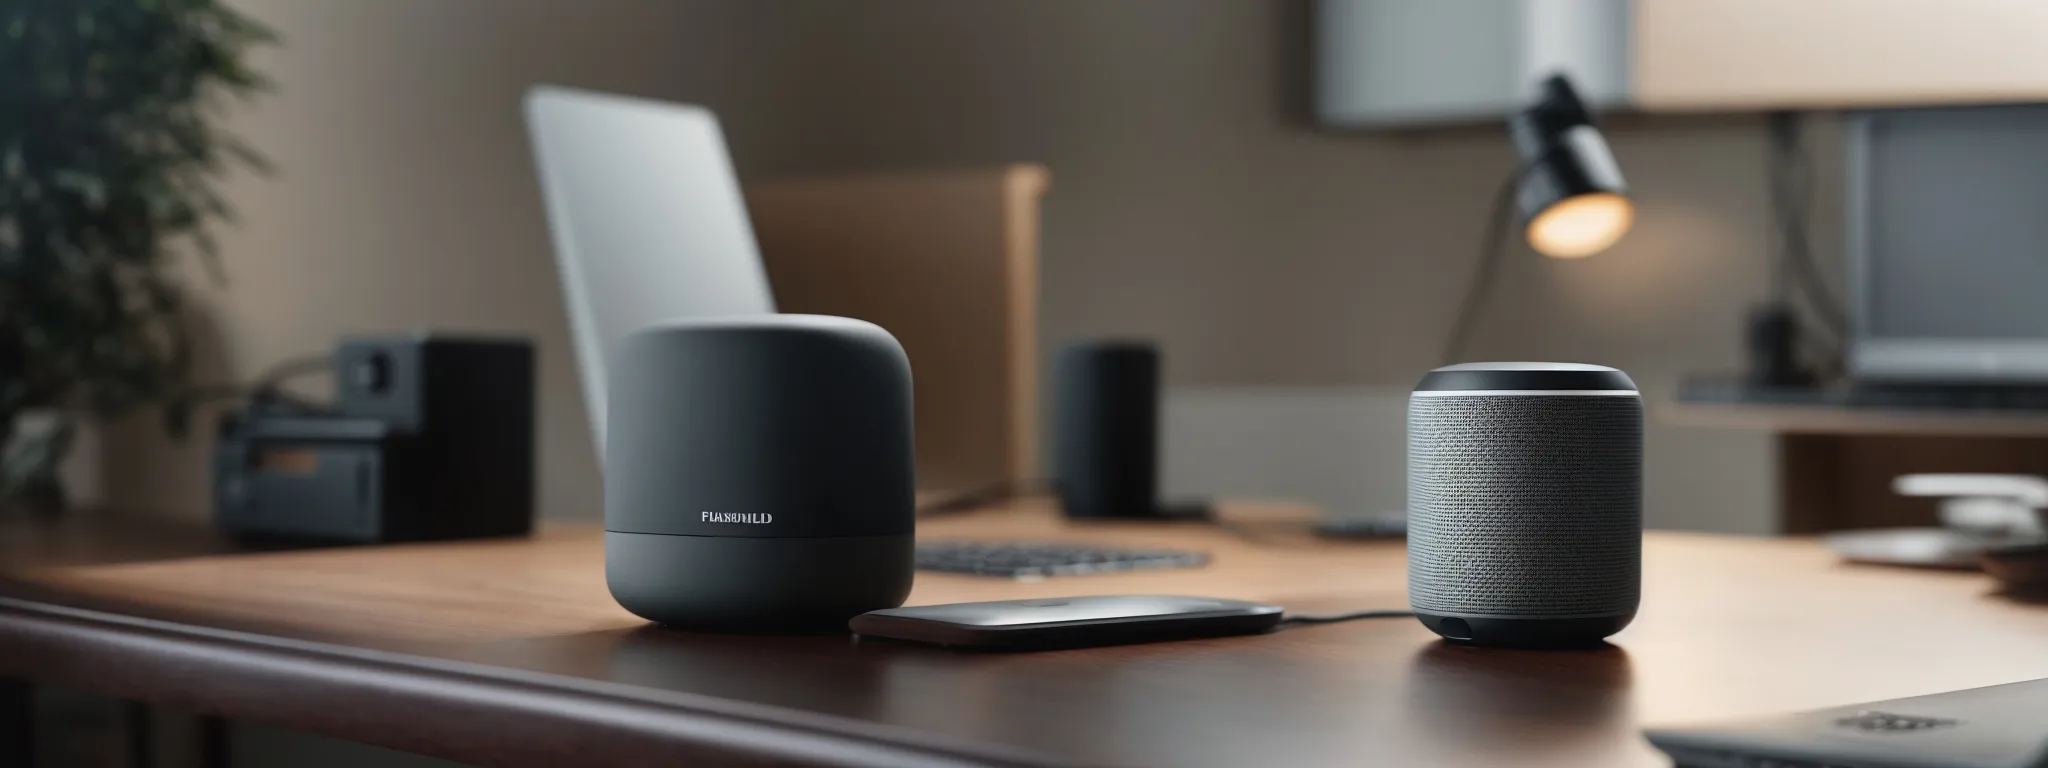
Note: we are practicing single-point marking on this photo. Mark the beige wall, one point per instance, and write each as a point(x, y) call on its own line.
point(1191, 205)
point(405, 197)
point(1189, 202)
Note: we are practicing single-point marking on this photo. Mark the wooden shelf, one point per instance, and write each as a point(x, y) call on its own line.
point(1840, 420)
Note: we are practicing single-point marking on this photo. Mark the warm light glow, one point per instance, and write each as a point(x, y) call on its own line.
point(1581, 225)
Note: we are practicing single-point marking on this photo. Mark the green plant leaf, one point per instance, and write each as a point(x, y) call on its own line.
point(110, 157)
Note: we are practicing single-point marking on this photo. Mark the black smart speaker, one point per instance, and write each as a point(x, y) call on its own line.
point(758, 472)
point(1525, 490)
point(1106, 429)
point(430, 436)
point(469, 400)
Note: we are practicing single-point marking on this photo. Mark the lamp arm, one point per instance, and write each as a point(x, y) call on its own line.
point(1491, 251)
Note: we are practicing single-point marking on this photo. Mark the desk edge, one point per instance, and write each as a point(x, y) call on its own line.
point(461, 711)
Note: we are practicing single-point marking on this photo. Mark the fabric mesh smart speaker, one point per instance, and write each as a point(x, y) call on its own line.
point(758, 472)
point(1525, 487)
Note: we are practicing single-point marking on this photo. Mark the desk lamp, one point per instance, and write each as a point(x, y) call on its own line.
point(1568, 194)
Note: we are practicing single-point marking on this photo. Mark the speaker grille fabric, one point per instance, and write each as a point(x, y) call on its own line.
point(1525, 506)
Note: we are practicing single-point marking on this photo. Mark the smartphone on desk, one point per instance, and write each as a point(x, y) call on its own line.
point(1067, 622)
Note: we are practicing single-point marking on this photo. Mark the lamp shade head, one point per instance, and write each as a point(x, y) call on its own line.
point(1581, 225)
point(1573, 200)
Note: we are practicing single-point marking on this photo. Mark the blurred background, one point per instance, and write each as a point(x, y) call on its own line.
point(1291, 199)
point(1298, 277)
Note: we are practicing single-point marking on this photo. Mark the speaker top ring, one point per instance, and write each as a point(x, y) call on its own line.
point(1525, 379)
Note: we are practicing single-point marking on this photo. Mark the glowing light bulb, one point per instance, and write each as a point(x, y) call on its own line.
point(1581, 225)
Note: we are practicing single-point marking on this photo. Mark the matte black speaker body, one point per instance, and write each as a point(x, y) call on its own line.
point(1773, 345)
point(758, 472)
point(430, 437)
point(1525, 503)
point(468, 404)
point(1106, 429)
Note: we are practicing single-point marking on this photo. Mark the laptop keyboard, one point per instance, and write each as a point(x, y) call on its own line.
point(1039, 560)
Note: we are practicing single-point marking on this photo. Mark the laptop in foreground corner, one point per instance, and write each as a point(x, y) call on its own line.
point(2003, 726)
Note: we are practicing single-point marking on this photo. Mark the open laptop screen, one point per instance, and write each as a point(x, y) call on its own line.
point(647, 219)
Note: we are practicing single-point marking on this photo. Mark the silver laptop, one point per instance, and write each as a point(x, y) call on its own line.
point(2003, 726)
point(647, 219)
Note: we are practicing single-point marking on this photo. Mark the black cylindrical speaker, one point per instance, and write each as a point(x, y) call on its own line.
point(1106, 429)
point(1525, 486)
point(1774, 347)
point(758, 472)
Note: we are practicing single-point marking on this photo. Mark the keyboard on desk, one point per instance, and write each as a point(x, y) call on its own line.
point(1037, 560)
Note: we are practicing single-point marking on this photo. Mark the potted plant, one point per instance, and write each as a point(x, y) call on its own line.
point(109, 156)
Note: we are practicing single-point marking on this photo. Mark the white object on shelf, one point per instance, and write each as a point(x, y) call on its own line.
point(1396, 62)
point(1916, 547)
point(1984, 502)
point(1383, 63)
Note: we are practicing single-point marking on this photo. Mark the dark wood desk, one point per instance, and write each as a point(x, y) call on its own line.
point(510, 652)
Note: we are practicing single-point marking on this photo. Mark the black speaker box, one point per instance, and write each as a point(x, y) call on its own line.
point(429, 437)
point(1106, 430)
point(468, 405)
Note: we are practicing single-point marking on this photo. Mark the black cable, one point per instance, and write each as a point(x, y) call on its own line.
point(293, 368)
point(1796, 189)
point(1784, 177)
point(1491, 251)
point(1791, 192)
point(266, 386)
point(1775, 160)
point(1293, 620)
point(211, 393)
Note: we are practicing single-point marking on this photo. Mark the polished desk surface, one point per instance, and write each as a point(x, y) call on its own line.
point(510, 652)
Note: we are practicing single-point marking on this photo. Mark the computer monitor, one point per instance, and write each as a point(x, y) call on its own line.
point(647, 219)
point(1947, 215)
